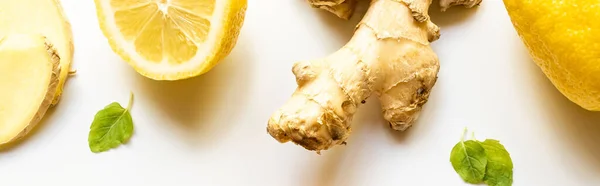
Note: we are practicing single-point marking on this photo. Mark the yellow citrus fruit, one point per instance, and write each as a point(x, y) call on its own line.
point(171, 39)
point(563, 38)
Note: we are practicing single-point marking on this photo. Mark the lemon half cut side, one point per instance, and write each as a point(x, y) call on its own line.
point(171, 39)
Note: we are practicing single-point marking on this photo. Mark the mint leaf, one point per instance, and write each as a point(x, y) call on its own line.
point(487, 161)
point(499, 171)
point(469, 161)
point(112, 126)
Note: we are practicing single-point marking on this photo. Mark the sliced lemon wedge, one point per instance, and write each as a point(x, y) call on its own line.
point(171, 39)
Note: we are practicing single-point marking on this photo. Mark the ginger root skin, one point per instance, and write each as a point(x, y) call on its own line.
point(341, 8)
point(445, 4)
point(389, 56)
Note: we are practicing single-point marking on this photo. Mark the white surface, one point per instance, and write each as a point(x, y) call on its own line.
point(211, 130)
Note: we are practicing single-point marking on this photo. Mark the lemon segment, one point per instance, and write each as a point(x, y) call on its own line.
point(195, 6)
point(128, 4)
point(171, 39)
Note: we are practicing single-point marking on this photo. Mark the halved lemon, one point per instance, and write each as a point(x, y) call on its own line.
point(171, 39)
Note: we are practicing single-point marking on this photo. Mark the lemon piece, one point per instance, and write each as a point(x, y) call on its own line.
point(44, 17)
point(29, 71)
point(171, 39)
point(562, 38)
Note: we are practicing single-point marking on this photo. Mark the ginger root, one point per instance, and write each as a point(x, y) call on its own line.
point(30, 71)
point(389, 56)
point(45, 17)
point(445, 4)
point(341, 8)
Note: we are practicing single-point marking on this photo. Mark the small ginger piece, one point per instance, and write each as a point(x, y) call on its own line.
point(445, 4)
point(29, 78)
point(341, 8)
point(389, 56)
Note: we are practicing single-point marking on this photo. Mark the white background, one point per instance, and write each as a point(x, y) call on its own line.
point(211, 130)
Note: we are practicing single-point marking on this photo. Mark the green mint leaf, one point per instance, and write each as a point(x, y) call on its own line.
point(499, 170)
point(112, 126)
point(469, 161)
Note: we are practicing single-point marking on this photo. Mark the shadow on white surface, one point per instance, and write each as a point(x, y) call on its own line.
point(336, 158)
point(327, 174)
point(578, 128)
point(194, 106)
point(581, 131)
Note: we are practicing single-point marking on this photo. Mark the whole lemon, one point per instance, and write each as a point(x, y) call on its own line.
point(563, 38)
